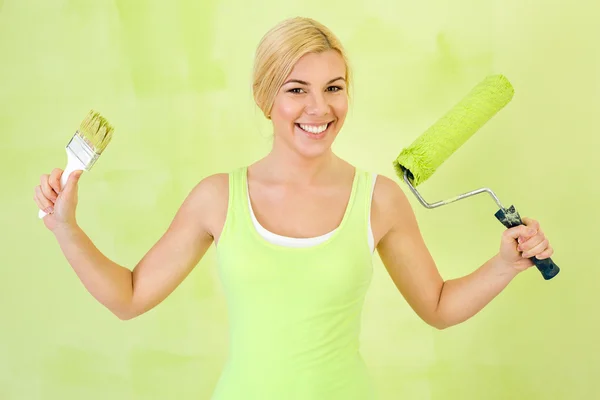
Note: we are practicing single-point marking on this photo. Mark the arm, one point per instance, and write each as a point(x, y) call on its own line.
point(441, 303)
point(129, 293)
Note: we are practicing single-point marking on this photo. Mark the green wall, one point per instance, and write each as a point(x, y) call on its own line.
point(174, 79)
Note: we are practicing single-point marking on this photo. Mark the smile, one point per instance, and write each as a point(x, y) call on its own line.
point(314, 131)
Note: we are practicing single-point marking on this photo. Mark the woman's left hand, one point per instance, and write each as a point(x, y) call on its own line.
point(522, 242)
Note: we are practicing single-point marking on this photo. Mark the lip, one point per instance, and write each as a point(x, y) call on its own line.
point(312, 136)
point(315, 123)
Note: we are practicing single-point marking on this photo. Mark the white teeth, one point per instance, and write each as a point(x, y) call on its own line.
point(313, 129)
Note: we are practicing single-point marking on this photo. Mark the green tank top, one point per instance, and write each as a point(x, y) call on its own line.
point(295, 313)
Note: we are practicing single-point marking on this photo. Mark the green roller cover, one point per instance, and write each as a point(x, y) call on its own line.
point(442, 139)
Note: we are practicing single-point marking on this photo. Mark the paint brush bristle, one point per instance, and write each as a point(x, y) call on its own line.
point(96, 131)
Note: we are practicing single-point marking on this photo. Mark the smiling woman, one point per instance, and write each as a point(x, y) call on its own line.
point(294, 233)
point(280, 49)
point(306, 104)
point(310, 108)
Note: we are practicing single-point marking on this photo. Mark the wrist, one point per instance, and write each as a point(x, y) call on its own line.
point(505, 267)
point(65, 229)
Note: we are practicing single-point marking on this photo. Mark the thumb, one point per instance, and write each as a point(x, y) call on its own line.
point(517, 232)
point(72, 183)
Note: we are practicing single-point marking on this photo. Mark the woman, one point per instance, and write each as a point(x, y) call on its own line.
point(294, 234)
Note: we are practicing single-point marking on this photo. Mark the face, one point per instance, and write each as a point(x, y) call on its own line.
point(311, 106)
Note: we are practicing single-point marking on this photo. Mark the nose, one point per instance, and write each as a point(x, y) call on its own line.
point(317, 104)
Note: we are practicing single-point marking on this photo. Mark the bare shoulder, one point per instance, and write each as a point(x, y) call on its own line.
point(207, 202)
point(387, 191)
point(216, 185)
point(390, 207)
point(389, 198)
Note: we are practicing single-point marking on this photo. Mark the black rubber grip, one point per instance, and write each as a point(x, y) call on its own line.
point(511, 218)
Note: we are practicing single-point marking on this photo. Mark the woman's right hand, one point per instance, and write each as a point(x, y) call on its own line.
point(58, 202)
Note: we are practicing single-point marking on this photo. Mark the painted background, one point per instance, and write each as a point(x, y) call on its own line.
point(174, 79)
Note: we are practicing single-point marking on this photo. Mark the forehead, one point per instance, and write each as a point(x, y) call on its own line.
point(318, 67)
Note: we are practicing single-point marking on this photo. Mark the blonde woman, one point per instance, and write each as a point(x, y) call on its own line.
point(295, 234)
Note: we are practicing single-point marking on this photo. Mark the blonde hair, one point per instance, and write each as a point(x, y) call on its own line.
point(279, 50)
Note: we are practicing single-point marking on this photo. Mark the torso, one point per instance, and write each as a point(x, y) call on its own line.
point(298, 211)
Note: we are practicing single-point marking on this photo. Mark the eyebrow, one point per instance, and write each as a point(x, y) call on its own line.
point(308, 84)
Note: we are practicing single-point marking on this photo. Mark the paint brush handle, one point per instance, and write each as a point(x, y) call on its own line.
point(73, 164)
point(509, 218)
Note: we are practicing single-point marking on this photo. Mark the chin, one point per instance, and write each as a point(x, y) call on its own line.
point(312, 152)
point(313, 145)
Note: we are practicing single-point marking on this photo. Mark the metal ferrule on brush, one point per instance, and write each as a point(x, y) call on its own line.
point(82, 151)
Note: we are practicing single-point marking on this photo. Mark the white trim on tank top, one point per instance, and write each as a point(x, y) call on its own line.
point(304, 242)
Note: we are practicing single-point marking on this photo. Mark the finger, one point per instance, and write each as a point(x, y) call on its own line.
point(530, 242)
point(515, 232)
point(42, 202)
point(546, 253)
point(533, 226)
point(47, 189)
point(531, 223)
point(539, 248)
point(54, 179)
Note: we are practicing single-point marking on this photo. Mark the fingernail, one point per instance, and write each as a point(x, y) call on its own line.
point(49, 210)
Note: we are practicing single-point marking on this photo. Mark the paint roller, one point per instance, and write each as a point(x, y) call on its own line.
point(417, 162)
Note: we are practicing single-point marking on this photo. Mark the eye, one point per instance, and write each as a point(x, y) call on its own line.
point(335, 88)
point(295, 90)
